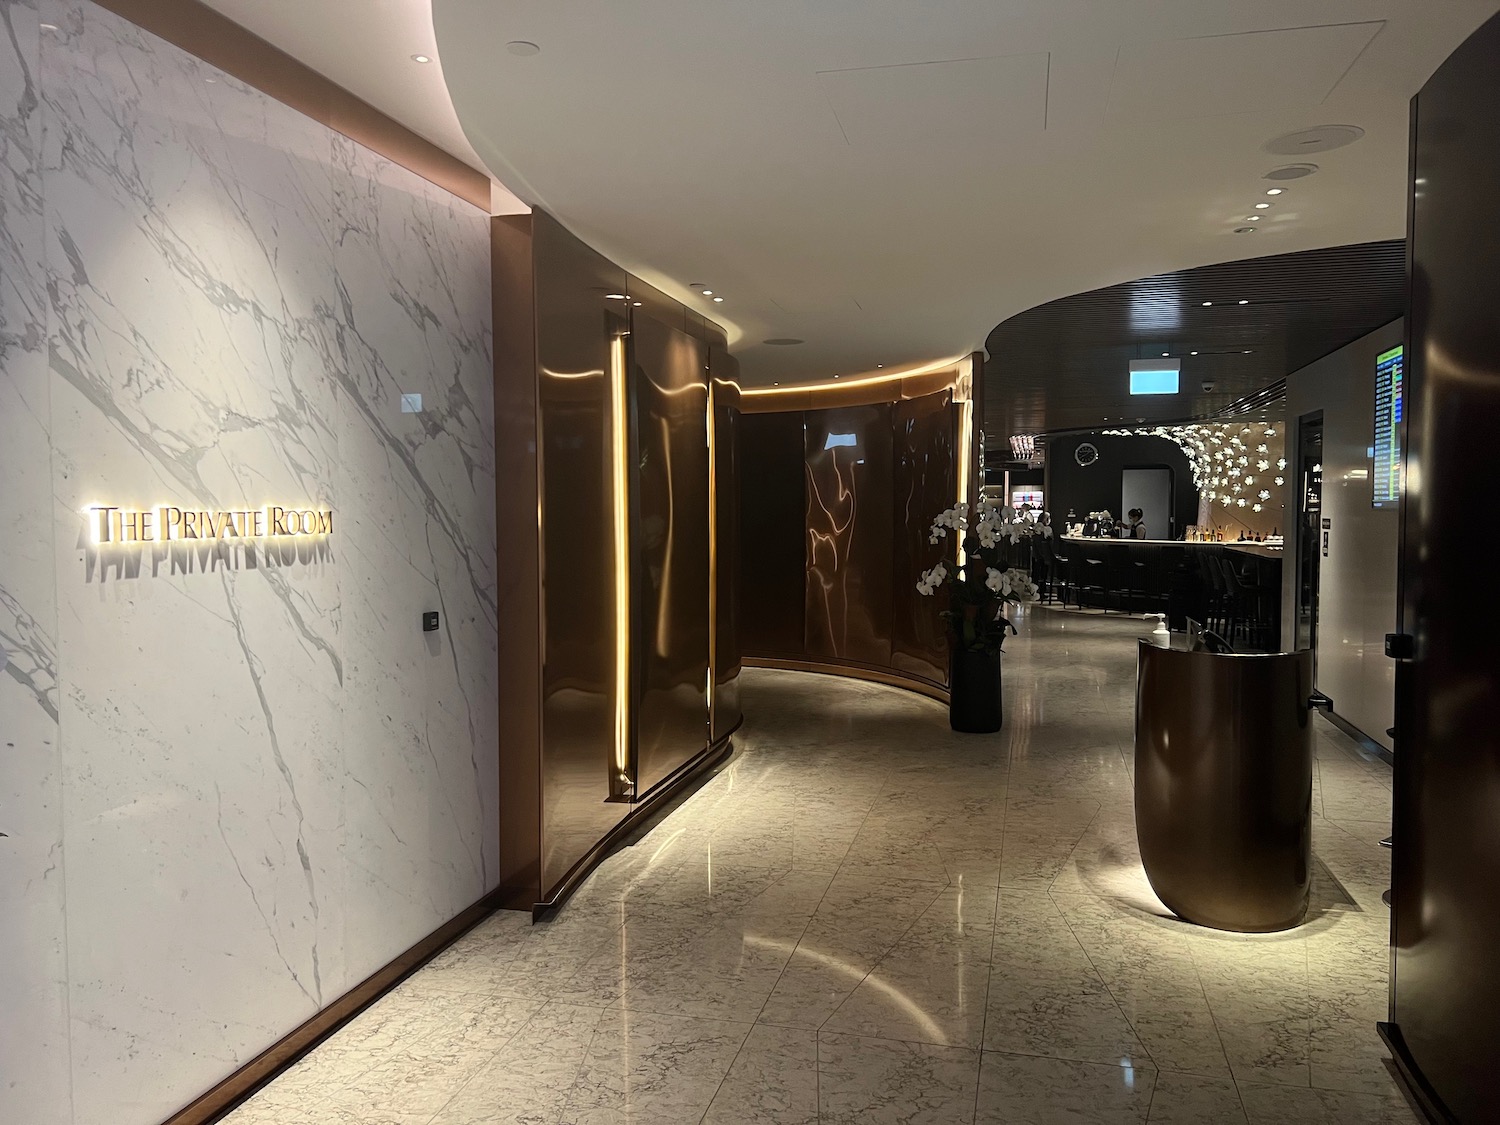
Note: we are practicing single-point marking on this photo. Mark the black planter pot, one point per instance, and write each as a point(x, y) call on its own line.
point(974, 692)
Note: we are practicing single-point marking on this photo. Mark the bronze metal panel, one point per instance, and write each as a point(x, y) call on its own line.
point(1223, 785)
point(773, 534)
point(219, 41)
point(575, 325)
point(519, 574)
point(1446, 860)
point(724, 370)
point(850, 513)
point(670, 627)
point(925, 472)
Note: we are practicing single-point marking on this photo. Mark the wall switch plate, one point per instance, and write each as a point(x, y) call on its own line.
point(430, 622)
point(411, 404)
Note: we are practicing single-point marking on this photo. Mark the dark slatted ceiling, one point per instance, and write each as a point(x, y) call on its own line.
point(1065, 365)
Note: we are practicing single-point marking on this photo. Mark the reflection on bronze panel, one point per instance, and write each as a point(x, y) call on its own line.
point(847, 454)
point(575, 325)
point(925, 482)
point(1223, 785)
point(1446, 858)
point(669, 628)
point(724, 370)
point(773, 534)
point(519, 586)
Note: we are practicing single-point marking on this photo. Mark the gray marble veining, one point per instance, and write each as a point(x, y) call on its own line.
point(260, 779)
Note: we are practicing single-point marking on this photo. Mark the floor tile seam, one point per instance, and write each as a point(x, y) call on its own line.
point(728, 1070)
point(474, 1074)
point(989, 980)
point(877, 961)
point(1115, 1000)
point(803, 933)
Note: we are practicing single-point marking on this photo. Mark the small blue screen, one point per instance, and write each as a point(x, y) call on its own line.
point(1153, 382)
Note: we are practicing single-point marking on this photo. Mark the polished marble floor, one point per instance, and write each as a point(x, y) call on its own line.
point(866, 918)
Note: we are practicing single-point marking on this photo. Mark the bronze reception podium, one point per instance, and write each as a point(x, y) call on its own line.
point(1223, 784)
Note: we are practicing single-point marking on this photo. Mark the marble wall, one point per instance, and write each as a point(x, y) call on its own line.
point(234, 779)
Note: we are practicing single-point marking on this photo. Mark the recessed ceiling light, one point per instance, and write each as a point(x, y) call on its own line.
point(878, 365)
point(835, 374)
point(1207, 303)
point(1252, 218)
point(1320, 138)
point(1290, 172)
point(523, 47)
point(615, 297)
point(1244, 302)
point(1274, 190)
point(1261, 206)
point(1166, 353)
point(635, 304)
point(708, 292)
point(1192, 353)
point(48, 26)
point(775, 384)
point(421, 58)
point(1249, 350)
point(1244, 230)
point(718, 300)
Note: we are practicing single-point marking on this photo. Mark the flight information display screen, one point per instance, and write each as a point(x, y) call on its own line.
point(1388, 408)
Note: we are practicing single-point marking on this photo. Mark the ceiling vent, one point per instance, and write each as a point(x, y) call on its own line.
point(1320, 138)
point(1290, 172)
point(782, 341)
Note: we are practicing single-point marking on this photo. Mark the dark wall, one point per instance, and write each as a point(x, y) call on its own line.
point(1445, 988)
point(1096, 487)
point(834, 510)
point(773, 549)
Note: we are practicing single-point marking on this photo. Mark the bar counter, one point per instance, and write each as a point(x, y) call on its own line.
point(1235, 587)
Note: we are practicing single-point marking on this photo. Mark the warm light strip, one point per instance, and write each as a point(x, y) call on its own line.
point(863, 381)
point(620, 465)
point(713, 559)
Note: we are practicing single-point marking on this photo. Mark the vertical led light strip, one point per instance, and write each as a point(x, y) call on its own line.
point(713, 558)
point(620, 465)
point(962, 388)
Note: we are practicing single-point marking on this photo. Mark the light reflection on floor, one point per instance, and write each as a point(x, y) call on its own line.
point(867, 918)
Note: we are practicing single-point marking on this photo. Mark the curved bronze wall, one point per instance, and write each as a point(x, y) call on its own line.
point(670, 614)
point(926, 441)
point(847, 457)
point(835, 504)
point(603, 405)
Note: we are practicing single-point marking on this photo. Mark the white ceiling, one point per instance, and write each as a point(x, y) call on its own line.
point(366, 46)
point(888, 179)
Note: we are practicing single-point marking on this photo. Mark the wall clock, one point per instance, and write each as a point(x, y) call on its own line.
point(1086, 453)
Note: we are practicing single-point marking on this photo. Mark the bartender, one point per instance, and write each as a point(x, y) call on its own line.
point(1135, 524)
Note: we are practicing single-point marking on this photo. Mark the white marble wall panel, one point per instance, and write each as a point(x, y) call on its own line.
point(273, 780)
point(34, 1068)
point(417, 496)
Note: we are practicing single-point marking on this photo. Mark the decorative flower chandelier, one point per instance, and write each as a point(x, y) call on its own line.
point(1227, 459)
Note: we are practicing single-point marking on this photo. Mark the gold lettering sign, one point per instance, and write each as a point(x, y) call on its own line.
point(167, 523)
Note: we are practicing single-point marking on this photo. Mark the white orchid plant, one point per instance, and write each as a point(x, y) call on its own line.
point(980, 587)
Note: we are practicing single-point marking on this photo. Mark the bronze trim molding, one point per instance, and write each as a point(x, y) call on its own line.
point(219, 41)
point(854, 672)
point(651, 805)
point(244, 1082)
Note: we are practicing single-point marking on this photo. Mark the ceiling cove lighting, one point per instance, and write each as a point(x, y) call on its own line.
point(1153, 377)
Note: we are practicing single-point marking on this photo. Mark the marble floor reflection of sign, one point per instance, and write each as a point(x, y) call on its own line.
point(867, 918)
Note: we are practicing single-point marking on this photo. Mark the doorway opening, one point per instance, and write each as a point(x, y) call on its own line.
point(1312, 530)
point(1149, 488)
